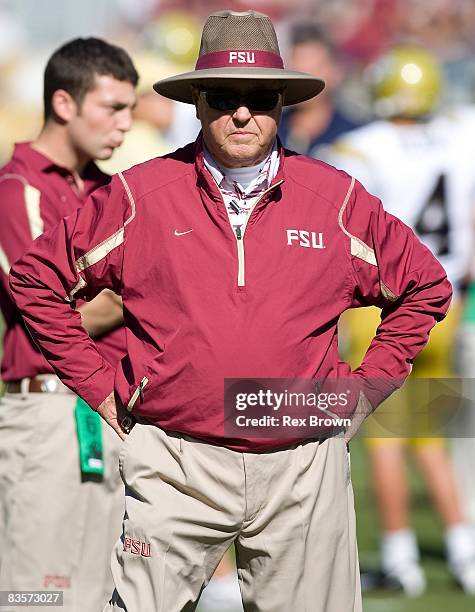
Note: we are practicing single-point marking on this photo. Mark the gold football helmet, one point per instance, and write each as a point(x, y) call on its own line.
point(405, 82)
point(175, 36)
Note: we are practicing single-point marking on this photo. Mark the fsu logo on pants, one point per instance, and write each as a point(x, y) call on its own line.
point(56, 581)
point(137, 547)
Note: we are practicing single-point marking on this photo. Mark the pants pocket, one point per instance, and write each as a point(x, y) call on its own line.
point(172, 439)
point(124, 451)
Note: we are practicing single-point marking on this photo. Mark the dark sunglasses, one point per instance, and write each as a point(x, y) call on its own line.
point(259, 101)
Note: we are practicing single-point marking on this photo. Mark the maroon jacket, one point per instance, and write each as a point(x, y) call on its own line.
point(35, 194)
point(201, 306)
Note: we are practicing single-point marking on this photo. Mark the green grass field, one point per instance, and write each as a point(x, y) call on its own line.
point(442, 594)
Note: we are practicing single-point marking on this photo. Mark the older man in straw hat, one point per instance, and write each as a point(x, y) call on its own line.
point(234, 259)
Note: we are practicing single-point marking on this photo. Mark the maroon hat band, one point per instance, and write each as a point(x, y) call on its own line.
point(235, 57)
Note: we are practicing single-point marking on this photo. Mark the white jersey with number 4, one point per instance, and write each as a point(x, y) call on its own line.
point(424, 174)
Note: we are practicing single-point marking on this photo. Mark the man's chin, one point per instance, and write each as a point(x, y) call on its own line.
point(105, 153)
point(244, 155)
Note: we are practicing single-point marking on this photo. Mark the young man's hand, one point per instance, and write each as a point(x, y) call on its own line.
point(102, 314)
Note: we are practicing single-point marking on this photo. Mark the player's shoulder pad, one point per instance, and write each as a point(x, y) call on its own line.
point(346, 149)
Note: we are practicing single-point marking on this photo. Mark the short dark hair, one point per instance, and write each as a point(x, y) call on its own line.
point(308, 32)
point(73, 67)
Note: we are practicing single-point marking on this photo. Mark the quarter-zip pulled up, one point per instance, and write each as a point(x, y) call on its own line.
point(240, 200)
point(239, 233)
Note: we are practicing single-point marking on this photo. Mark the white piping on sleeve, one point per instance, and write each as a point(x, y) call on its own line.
point(14, 177)
point(100, 251)
point(32, 203)
point(358, 247)
point(130, 196)
point(103, 249)
point(361, 250)
point(32, 197)
point(4, 263)
point(79, 285)
point(388, 294)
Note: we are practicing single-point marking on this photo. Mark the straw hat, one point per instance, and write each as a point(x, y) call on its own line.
point(240, 46)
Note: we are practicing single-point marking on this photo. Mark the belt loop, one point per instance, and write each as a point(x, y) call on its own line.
point(25, 386)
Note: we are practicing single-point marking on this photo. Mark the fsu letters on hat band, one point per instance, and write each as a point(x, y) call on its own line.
point(235, 57)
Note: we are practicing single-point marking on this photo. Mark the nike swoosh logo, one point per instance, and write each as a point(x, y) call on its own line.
point(177, 233)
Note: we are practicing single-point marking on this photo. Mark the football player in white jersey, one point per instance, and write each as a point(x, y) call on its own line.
point(463, 449)
point(404, 159)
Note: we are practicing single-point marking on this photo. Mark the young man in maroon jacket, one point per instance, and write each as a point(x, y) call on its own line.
point(234, 259)
point(60, 496)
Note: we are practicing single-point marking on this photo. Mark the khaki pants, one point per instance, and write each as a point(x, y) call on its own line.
point(290, 514)
point(56, 531)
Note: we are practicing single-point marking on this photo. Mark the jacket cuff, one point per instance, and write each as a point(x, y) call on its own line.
point(376, 390)
point(97, 387)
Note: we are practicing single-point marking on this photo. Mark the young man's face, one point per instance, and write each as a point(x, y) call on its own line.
point(241, 136)
point(99, 124)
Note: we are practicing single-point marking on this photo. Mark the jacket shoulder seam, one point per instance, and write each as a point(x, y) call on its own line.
point(156, 188)
point(13, 176)
point(318, 194)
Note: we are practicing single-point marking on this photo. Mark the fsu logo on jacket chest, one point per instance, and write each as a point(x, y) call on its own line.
point(304, 238)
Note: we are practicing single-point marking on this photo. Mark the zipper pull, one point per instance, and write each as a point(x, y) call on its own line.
point(141, 386)
point(238, 232)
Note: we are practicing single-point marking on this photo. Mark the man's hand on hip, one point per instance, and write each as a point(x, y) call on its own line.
point(110, 413)
point(363, 409)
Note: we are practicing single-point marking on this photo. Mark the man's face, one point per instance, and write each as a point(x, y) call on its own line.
point(99, 124)
point(242, 136)
point(315, 58)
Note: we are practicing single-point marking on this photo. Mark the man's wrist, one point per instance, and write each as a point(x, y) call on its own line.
point(92, 389)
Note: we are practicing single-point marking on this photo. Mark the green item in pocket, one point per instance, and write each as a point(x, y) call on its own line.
point(89, 430)
point(468, 313)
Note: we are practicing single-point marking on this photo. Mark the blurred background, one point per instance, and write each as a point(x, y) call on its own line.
point(162, 37)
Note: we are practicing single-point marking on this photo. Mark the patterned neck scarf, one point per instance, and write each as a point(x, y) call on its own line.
point(240, 200)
